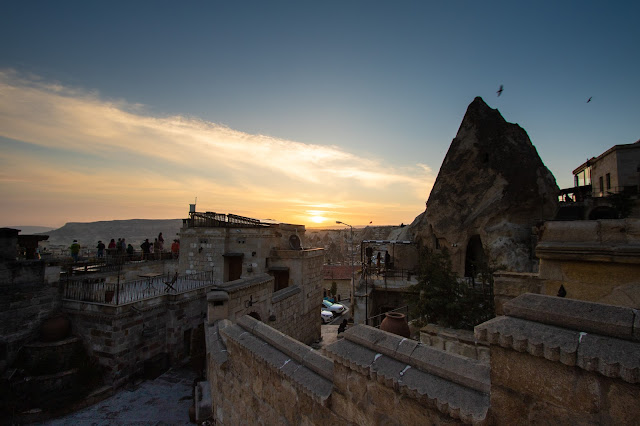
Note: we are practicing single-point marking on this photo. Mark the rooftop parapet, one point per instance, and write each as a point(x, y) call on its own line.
point(454, 385)
point(592, 336)
point(310, 371)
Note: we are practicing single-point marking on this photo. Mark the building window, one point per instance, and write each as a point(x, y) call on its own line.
point(601, 186)
point(608, 181)
point(281, 277)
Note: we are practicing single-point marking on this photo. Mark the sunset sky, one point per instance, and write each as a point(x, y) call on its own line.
point(301, 112)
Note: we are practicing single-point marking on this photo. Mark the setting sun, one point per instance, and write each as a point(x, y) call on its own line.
point(318, 219)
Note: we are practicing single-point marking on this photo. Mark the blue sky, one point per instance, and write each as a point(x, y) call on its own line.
point(364, 97)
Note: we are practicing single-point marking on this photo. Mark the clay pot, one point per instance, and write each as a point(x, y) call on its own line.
point(55, 328)
point(396, 323)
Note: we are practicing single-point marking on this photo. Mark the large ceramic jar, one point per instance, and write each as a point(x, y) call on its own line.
point(55, 328)
point(396, 323)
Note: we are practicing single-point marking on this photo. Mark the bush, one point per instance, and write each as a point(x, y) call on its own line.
point(446, 300)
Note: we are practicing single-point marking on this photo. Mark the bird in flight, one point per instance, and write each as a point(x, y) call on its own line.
point(499, 92)
point(589, 100)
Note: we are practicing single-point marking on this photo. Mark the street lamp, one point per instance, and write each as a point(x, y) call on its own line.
point(353, 281)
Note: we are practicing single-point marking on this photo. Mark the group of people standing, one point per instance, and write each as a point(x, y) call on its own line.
point(154, 250)
point(150, 250)
point(114, 248)
point(122, 248)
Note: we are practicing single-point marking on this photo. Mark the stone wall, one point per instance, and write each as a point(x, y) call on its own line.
point(343, 288)
point(203, 248)
point(29, 295)
point(261, 376)
point(561, 361)
point(460, 342)
point(508, 285)
point(295, 310)
point(553, 361)
point(127, 339)
point(594, 260)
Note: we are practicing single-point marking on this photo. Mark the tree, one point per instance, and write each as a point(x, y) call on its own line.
point(445, 299)
point(334, 288)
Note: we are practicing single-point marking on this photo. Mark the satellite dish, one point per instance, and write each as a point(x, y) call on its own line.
point(294, 242)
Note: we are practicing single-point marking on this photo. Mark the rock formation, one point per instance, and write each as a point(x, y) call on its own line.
point(491, 190)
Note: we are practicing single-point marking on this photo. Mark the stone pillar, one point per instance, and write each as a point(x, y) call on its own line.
point(218, 305)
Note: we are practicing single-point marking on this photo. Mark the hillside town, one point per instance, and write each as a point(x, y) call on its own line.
point(508, 300)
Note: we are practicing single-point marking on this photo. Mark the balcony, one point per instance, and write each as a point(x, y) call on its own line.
point(92, 290)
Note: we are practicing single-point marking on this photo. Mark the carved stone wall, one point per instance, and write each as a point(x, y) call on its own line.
point(562, 361)
point(594, 260)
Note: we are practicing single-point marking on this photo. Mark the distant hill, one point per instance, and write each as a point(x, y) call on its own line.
point(28, 229)
point(134, 231)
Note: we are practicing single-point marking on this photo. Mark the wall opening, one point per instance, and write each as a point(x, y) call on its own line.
point(232, 266)
point(474, 256)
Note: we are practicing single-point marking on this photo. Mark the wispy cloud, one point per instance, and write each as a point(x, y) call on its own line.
point(234, 169)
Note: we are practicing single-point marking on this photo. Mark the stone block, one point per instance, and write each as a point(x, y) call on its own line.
point(387, 371)
point(571, 232)
point(610, 357)
point(437, 342)
point(405, 350)
point(508, 408)
point(458, 369)
point(544, 380)
point(484, 354)
point(449, 398)
point(573, 314)
point(381, 397)
point(352, 354)
point(425, 338)
point(453, 346)
point(622, 402)
point(469, 351)
point(552, 343)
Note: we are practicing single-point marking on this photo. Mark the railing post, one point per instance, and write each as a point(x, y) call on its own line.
point(118, 285)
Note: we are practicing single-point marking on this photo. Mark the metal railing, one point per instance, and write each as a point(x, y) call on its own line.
point(109, 263)
point(372, 272)
point(96, 290)
point(220, 220)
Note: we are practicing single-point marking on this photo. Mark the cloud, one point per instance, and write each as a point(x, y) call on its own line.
point(189, 154)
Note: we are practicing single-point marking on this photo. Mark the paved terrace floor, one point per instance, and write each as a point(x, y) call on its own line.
point(163, 401)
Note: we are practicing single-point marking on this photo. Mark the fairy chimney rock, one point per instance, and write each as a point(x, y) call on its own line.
point(491, 190)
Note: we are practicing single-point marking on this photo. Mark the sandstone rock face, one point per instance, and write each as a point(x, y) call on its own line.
point(491, 190)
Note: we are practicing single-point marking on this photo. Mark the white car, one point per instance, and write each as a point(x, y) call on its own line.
point(335, 308)
point(327, 316)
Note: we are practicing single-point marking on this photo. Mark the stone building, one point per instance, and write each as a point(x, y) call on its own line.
point(605, 187)
point(342, 276)
point(552, 361)
point(261, 269)
point(617, 170)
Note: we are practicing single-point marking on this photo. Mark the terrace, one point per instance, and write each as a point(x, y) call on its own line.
point(148, 286)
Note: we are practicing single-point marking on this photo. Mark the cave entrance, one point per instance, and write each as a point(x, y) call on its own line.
point(474, 256)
